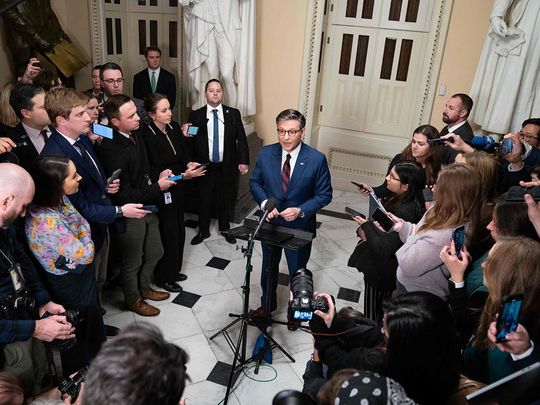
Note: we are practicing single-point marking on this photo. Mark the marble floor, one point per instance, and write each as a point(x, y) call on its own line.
point(211, 293)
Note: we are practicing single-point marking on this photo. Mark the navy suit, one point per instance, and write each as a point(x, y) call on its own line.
point(166, 85)
point(26, 153)
point(309, 189)
point(91, 200)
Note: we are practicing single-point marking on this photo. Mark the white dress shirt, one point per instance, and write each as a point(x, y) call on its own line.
point(210, 130)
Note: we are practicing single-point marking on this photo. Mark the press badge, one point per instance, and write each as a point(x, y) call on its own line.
point(168, 198)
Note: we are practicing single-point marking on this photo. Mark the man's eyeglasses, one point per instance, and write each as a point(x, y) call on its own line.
point(114, 81)
point(291, 132)
point(527, 136)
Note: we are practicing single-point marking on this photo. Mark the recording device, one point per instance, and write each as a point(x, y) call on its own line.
point(301, 307)
point(517, 193)
point(115, 175)
point(440, 141)
point(508, 319)
point(428, 194)
point(102, 130)
point(72, 266)
point(72, 386)
point(354, 213)
point(73, 317)
point(178, 177)
point(488, 144)
point(192, 131)
point(458, 236)
point(506, 147)
point(152, 208)
point(359, 185)
point(384, 220)
point(20, 302)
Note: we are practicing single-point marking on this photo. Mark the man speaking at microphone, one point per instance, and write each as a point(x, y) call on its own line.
point(297, 176)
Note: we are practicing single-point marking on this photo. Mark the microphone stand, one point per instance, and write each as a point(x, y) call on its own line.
point(240, 349)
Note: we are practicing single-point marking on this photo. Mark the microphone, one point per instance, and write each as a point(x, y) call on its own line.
point(268, 208)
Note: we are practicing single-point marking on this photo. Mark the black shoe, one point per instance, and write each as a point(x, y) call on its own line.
point(170, 287)
point(199, 238)
point(181, 277)
point(111, 330)
point(229, 238)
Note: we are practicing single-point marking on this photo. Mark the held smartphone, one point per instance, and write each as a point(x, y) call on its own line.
point(384, 220)
point(102, 130)
point(436, 141)
point(152, 208)
point(428, 194)
point(354, 213)
point(506, 147)
point(192, 130)
point(359, 185)
point(458, 236)
point(508, 319)
point(178, 177)
point(114, 176)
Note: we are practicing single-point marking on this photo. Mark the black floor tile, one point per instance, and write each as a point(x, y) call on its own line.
point(220, 374)
point(186, 299)
point(348, 294)
point(218, 263)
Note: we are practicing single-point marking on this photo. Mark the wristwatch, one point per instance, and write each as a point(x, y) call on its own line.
point(301, 214)
point(119, 213)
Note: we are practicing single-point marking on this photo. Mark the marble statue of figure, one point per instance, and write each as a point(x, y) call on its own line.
point(506, 89)
point(220, 39)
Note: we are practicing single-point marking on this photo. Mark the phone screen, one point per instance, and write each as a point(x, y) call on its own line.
point(384, 220)
point(428, 194)
point(458, 235)
point(506, 147)
point(354, 213)
point(193, 130)
point(102, 130)
point(508, 319)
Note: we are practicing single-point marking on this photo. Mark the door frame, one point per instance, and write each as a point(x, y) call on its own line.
point(308, 97)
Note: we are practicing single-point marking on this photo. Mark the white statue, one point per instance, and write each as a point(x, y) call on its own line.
point(506, 89)
point(220, 43)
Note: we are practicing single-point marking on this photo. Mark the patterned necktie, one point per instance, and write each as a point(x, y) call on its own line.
point(89, 162)
point(286, 173)
point(215, 146)
point(153, 82)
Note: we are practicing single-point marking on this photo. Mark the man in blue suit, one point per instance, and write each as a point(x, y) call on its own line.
point(67, 111)
point(297, 176)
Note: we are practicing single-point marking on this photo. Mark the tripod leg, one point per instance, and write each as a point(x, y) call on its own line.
point(237, 355)
point(219, 332)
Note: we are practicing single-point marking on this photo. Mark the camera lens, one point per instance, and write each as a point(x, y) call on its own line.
point(302, 283)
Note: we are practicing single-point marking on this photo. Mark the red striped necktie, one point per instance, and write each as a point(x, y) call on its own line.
point(286, 173)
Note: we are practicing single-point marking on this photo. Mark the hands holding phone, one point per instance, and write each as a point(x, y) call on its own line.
point(516, 343)
point(363, 188)
point(456, 265)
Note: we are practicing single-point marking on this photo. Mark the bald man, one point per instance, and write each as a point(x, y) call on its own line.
point(18, 279)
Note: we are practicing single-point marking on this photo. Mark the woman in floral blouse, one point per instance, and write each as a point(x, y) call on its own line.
point(60, 239)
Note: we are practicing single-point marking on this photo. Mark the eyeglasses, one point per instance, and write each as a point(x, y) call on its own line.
point(114, 81)
point(291, 132)
point(527, 136)
point(393, 178)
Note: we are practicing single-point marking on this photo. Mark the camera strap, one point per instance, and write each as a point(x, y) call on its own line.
point(54, 363)
point(15, 273)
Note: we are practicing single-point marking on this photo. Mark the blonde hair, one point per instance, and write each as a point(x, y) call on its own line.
point(457, 200)
point(487, 167)
point(60, 101)
point(512, 267)
point(7, 114)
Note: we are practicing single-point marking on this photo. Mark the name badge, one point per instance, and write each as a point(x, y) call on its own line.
point(168, 198)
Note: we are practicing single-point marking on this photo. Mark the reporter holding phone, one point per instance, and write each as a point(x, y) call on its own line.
point(375, 256)
point(56, 230)
point(166, 150)
point(458, 202)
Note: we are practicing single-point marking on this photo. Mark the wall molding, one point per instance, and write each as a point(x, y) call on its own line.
point(334, 165)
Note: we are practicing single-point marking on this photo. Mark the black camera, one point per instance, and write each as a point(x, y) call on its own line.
point(19, 305)
point(302, 305)
point(73, 317)
point(72, 386)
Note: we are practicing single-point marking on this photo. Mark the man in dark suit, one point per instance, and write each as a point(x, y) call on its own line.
point(297, 176)
point(221, 141)
point(140, 245)
point(32, 132)
point(67, 111)
point(455, 114)
point(154, 79)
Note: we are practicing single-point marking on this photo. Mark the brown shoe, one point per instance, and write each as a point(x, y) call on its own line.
point(154, 295)
point(257, 313)
point(143, 309)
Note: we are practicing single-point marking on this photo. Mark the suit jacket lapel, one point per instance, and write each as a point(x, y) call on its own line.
point(301, 163)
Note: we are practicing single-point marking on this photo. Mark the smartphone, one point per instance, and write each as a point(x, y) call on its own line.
point(458, 236)
point(114, 176)
point(102, 130)
point(428, 194)
point(152, 208)
point(359, 185)
point(192, 131)
point(384, 220)
point(354, 213)
point(505, 147)
point(176, 178)
point(436, 141)
point(508, 319)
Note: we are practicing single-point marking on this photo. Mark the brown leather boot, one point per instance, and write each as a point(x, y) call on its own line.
point(154, 295)
point(143, 309)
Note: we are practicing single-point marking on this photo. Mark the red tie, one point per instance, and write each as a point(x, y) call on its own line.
point(286, 173)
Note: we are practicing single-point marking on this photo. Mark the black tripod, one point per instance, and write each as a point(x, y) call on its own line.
point(240, 349)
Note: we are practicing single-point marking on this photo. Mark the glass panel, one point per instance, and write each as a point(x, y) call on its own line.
point(395, 10)
point(346, 48)
point(320, 52)
point(173, 3)
point(141, 2)
point(367, 9)
point(412, 11)
point(361, 55)
point(108, 1)
point(404, 60)
point(352, 6)
point(173, 39)
point(118, 34)
point(153, 33)
point(388, 58)
point(325, 6)
point(109, 35)
point(116, 1)
point(142, 36)
point(153, 3)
